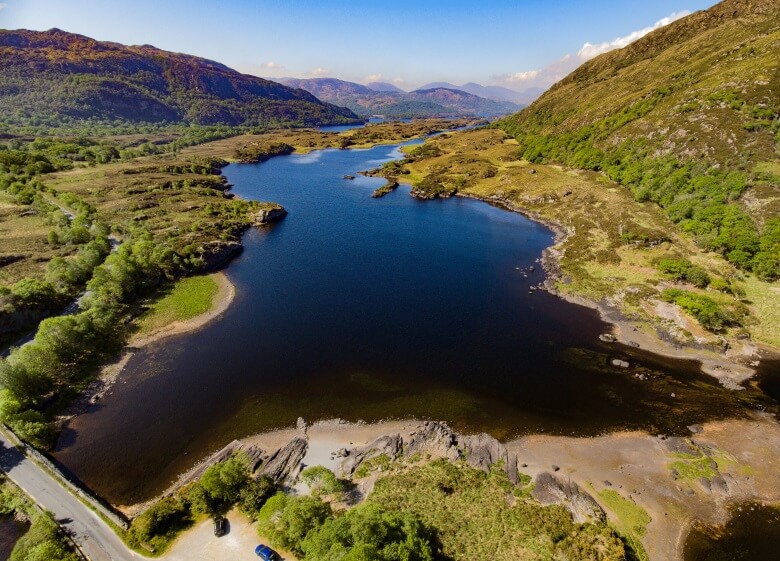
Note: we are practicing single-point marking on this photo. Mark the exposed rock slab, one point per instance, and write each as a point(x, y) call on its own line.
point(551, 490)
point(285, 463)
point(389, 445)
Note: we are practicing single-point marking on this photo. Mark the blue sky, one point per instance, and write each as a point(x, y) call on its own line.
point(519, 44)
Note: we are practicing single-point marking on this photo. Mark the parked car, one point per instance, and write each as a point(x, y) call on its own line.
point(266, 553)
point(220, 526)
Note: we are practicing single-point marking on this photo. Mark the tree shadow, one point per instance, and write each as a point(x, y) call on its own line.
point(10, 456)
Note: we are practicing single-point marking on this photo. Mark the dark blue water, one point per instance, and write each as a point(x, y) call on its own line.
point(365, 308)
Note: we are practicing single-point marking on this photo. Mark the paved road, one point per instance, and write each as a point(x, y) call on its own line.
point(94, 537)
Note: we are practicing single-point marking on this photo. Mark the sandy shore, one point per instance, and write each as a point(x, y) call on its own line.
point(226, 292)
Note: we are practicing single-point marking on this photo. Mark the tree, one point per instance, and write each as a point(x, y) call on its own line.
point(254, 494)
point(288, 520)
point(370, 532)
point(223, 481)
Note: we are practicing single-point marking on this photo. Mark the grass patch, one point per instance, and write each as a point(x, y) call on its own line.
point(186, 299)
point(693, 468)
point(477, 517)
point(631, 520)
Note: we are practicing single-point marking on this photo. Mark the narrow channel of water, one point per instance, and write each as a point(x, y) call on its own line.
point(365, 308)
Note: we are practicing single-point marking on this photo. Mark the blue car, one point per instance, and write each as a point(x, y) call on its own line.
point(266, 553)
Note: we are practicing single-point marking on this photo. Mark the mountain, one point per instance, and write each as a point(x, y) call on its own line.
point(384, 87)
point(52, 77)
point(437, 85)
point(463, 102)
point(497, 93)
point(688, 117)
point(327, 88)
point(433, 102)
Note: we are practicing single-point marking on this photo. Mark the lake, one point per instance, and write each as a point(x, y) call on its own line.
point(364, 308)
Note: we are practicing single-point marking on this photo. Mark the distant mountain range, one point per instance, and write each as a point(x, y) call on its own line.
point(54, 77)
point(387, 99)
point(497, 93)
point(384, 87)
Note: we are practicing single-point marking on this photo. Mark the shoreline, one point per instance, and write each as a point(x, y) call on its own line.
point(723, 366)
point(110, 371)
point(226, 293)
point(636, 465)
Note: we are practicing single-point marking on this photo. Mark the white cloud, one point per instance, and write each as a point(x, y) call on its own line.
point(2, 6)
point(373, 78)
point(318, 72)
point(272, 65)
point(522, 76)
point(545, 77)
point(589, 50)
point(399, 81)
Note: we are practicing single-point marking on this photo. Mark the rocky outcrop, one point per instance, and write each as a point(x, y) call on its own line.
point(285, 463)
point(216, 254)
point(483, 451)
point(389, 445)
point(550, 490)
point(436, 439)
point(269, 215)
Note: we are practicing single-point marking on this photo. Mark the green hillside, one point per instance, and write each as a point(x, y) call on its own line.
point(687, 117)
point(54, 78)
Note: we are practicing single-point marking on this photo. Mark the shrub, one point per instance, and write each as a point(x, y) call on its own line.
point(321, 481)
point(42, 542)
point(707, 311)
point(162, 521)
point(254, 494)
point(682, 269)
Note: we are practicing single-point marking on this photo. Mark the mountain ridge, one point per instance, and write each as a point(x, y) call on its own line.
point(46, 75)
point(439, 101)
point(688, 117)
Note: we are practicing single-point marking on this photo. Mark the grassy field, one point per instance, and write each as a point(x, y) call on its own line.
point(612, 243)
point(185, 299)
point(25, 249)
point(481, 516)
point(630, 519)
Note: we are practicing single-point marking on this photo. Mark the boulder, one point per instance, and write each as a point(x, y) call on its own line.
point(218, 253)
point(483, 451)
point(584, 508)
point(436, 439)
point(269, 215)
